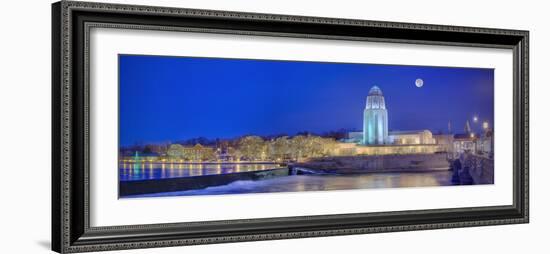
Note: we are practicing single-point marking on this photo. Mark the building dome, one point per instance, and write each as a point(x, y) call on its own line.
point(375, 90)
point(375, 99)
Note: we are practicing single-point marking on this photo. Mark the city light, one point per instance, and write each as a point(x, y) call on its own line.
point(475, 119)
point(485, 125)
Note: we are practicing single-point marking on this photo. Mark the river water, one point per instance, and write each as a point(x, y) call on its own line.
point(151, 171)
point(295, 183)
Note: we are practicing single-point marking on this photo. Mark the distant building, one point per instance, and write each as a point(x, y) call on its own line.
point(465, 142)
point(375, 119)
point(482, 144)
point(445, 141)
point(375, 137)
point(197, 152)
point(349, 149)
point(485, 143)
point(398, 137)
point(411, 137)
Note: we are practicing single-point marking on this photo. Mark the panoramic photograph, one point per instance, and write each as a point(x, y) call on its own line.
point(193, 126)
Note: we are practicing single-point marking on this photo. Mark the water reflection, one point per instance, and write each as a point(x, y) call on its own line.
point(151, 170)
point(297, 183)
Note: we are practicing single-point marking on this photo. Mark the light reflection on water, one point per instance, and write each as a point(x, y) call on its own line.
point(149, 170)
point(297, 183)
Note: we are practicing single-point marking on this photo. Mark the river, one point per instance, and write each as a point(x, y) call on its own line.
point(152, 170)
point(297, 183)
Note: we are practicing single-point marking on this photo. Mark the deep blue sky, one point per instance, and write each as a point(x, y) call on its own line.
point(176, 98)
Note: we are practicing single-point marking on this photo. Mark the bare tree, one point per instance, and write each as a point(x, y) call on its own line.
point(278, 149)
point(252, 148)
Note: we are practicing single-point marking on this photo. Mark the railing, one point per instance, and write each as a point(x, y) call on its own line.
point(481, 168)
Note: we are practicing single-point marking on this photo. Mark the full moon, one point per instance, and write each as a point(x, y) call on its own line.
point(419, 82)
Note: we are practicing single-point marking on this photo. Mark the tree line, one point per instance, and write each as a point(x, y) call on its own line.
point(255, 148)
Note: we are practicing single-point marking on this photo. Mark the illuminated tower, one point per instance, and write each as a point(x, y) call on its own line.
point(375, 119)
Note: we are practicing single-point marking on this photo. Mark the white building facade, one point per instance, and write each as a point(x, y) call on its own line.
point(375, 139)
point(411, 137)
point(375, 119)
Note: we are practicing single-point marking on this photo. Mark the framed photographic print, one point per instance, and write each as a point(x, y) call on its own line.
point(181, 126)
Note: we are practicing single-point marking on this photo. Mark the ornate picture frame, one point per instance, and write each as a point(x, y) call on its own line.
point(71, 229)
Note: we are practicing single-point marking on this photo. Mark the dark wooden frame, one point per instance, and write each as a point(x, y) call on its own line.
point(71, 22)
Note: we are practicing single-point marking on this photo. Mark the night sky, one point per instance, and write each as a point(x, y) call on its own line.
point(176, 98)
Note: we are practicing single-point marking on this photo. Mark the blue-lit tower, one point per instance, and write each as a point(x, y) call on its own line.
point(375, 119)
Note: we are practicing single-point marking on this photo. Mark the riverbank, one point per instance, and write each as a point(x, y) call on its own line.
point(138, 187)
point(375, 164)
